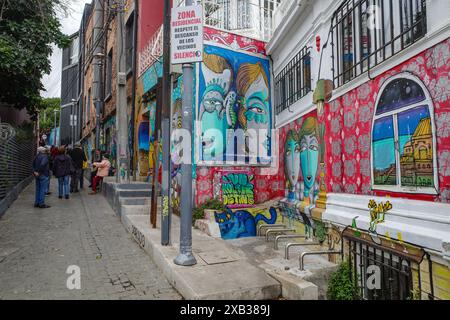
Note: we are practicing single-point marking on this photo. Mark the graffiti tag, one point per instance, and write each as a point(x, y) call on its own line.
point(138, 236)
point(238, 189)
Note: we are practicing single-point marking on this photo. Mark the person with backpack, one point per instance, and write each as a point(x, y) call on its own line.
point(41, 174)
point(63, 169)
point(78, 158)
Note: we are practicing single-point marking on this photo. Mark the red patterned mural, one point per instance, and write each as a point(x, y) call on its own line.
point(348, 136)
point(349, 127)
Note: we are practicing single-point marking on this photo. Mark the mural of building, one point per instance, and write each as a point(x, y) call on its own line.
point(380, 137)
point(364, 165)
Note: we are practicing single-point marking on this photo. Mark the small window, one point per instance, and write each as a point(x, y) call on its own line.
point(403, 135)
point(74, 50)
point(129, 44)
point(108, 79)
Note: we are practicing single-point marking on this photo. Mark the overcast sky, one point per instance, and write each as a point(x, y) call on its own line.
point(70, 24)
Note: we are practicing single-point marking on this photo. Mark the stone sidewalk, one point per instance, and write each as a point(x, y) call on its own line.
point(38, 245)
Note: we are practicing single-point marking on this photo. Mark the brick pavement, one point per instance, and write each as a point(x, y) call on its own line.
point(38, 245)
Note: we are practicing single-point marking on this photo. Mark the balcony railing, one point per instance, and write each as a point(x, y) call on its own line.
point(368, 32)
point(252, 18)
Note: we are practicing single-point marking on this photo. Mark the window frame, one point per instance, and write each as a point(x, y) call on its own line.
point(394, 113)
point(384, 43)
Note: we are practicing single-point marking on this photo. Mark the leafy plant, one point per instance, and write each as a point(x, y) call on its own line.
point(28, 28)
point(212, 204)
point(320, 231)
point(343, 284)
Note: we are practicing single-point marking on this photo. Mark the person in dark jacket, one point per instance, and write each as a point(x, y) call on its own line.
point(41, 173)
point(78, 157)
point(62, 169)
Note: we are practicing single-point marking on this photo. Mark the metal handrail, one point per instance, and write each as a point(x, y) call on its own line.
point(275, 230)
point(286, 236)
point(297, 244)
point(258, 231)
point(302, 256)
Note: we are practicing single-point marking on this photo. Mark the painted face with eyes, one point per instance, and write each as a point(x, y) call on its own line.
point(257, 107)
point(292, 161)
point(213, 115)
point(309, 156)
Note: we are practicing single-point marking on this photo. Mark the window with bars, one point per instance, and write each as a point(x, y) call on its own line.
point(367, 32)
point(398, 273)
point(294, 81)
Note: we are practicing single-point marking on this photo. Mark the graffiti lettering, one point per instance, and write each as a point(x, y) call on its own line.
point(238, 189)
point(138, 236)
point(165, 211)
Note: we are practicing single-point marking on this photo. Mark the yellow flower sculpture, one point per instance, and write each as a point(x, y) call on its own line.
point(377, 213)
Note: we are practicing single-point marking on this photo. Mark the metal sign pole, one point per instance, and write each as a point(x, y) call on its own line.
point(165, 126)
point(185, 257)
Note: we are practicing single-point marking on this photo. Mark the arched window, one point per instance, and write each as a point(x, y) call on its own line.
point(403, 138)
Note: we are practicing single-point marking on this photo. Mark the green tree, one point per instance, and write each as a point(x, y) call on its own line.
point(28, 28)
point(47, 114)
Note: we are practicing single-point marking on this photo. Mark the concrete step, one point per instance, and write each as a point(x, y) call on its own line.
point(133, 193)
point(132, 201)
point(219, 274)
point(135, 210)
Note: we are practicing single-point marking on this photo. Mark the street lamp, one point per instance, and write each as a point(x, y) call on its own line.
point(54, 120)
point(72, 121)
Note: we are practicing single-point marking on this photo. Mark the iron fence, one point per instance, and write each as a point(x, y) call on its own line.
point(367, 32)
point(16, 157)
point(294, 81)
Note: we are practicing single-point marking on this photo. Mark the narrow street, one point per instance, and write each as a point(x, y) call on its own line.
point(38, 245)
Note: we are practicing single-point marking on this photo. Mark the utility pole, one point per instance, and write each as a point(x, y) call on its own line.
point(97, 56)
point(165, 126)
point(121, 112)
point(185, 257)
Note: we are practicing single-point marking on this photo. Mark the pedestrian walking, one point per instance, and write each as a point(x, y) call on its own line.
point(41, 174)
point(78, 157)
point(62, 169)
point(102, 171)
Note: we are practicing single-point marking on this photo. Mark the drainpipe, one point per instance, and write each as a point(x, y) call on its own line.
point(133, 88)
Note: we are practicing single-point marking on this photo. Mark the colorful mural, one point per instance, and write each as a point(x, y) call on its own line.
point(177, 122)
point(301, 147)
point(408, 104)
point(234, 103)
point(245, 59)
point(238, 189)
point(243, 223)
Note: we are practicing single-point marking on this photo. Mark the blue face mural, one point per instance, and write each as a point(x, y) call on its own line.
point(242, 223)
point(292, 162)
point(234, 94)
point(309, 153)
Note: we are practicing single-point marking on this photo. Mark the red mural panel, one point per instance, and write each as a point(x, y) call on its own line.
point(349, 126)
point(348, 135)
